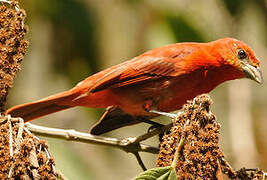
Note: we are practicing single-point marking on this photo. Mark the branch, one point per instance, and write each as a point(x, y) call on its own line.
point(127, 144)
point(140, 162)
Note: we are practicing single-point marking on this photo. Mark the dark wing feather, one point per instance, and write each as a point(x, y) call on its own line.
point(112, 119)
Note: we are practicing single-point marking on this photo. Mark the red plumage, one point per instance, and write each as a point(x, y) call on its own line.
point(161, 79)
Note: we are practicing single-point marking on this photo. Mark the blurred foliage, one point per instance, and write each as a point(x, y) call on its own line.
point(83, 36)
point(74, 35)
point(234, 7)
point(183, 30)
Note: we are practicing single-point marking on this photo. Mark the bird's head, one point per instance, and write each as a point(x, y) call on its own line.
point(239, 55)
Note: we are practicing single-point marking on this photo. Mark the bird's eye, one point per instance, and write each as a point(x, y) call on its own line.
point(242, 54)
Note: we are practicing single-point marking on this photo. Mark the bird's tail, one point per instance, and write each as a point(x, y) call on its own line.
point(51, 104)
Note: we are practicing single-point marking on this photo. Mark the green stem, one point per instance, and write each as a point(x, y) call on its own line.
point(177, 152)
point(179, 147)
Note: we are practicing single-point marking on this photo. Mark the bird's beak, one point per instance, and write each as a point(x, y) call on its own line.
point(253, 73)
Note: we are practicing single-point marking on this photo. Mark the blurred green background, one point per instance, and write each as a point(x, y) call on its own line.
point(72, 39)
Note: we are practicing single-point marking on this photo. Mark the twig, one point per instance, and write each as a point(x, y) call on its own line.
point(9, 2)
point(72, 135)
point(179, 147)
point(150, 134)
point(227, 168)
point(177, 152)
point(10, 134)
point(139, 160)
point(20, 130)
point(11, 170)
point(132, 145)
point(45, 149)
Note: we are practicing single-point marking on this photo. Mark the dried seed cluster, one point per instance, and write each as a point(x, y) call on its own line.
point(12, 45)
point(28, 158)
point(199, 156)
point(22, 156)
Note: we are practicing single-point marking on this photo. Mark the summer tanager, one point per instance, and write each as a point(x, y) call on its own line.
point(162, 79)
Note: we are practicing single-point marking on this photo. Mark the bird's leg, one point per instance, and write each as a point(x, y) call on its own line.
point(149, 106)
point(145, 120)
point(170, 115)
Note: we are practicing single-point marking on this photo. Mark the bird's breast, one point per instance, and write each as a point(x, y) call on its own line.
point(184, 88)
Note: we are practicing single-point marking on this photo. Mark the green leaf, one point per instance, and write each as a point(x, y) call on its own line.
point(160, 173)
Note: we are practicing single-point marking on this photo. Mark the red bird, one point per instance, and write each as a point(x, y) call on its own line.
point(162, 79)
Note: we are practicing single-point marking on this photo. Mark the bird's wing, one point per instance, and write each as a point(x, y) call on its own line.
point(113, 118)
point(146, 67)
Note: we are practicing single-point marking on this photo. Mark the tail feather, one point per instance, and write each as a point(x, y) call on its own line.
point(42, 107)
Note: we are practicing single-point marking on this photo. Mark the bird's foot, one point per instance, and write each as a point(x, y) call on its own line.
point(154, 126)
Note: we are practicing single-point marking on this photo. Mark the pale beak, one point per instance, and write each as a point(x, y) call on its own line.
point(253, 73)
